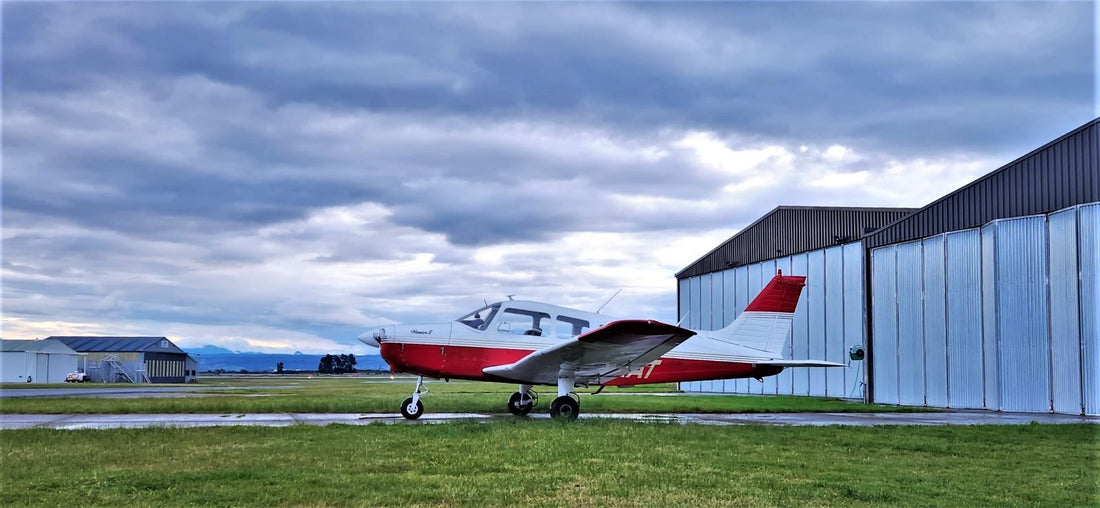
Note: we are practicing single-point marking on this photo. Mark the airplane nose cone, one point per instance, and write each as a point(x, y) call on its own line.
point(374, 337)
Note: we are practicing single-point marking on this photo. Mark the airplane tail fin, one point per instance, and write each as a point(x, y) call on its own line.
point(766, 322)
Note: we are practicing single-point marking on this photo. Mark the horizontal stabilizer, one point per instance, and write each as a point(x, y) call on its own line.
point(799, 363)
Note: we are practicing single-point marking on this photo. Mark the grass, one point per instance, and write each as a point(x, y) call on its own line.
point(374, 395)
point(547, 463)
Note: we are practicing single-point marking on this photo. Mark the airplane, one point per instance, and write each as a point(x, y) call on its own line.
point(531, 343)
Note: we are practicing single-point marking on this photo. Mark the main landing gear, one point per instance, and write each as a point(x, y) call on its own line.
point(565, 407)
point(523, 401)
point(412, 408)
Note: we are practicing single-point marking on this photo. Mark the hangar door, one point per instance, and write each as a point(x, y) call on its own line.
point(992, 318)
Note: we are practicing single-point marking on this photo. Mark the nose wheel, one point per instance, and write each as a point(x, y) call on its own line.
point(523, 401)
point(412, 408)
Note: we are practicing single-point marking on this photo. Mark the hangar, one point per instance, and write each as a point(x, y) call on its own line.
point(986, 298)
point(131, 359)
point(37, 361)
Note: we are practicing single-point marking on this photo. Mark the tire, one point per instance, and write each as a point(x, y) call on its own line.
point(517, 409)
point(411, 412)
point(565, 408)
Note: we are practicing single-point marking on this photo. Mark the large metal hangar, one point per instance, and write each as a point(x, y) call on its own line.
point(131, 359)
point(821, 242)
point(986, 298)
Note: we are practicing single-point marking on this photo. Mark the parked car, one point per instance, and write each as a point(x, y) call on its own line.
point(76, 377)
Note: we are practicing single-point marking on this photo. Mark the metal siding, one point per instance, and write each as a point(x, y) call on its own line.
point(685, 302)
point(853, 317)
point(814, 295)
point(717, 311)
point(1088, 237)
point(1036, 183)
point(964, 324)
point(706, 295)
point(990, 337)
point(729, 297)
point(935, 323)
point(834, 321)
point(800, 337)
point(695, 304)
point(884, 321)
point(1065, 320)
point(1021, 272)
point(910, 324)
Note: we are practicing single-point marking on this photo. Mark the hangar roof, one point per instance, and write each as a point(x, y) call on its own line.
point(790, 230)
point(1060, 174)
point(32, 346)
point(120, 344)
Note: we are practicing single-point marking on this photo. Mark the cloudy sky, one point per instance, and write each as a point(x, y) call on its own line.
point(279, 177)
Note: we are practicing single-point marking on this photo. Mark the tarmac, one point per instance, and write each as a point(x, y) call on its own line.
point(129, 421)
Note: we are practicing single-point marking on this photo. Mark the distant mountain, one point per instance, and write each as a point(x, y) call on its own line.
point(209, 350)
point(218, 358)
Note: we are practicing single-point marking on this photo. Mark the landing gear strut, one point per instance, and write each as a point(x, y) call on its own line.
point(412, 408)
point(565, 407)
point(523, 401)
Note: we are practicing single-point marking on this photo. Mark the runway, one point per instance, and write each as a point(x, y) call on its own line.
point(116, 421)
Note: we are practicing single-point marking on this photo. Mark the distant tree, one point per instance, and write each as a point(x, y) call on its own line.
point(351, 363)
point(279, 367)
point(326, 365)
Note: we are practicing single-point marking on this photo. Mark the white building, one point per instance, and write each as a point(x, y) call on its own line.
point(37, 361)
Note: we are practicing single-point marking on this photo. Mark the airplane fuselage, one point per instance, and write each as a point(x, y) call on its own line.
point(456, 350)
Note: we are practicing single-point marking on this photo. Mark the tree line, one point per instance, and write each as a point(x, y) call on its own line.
point(336, 364)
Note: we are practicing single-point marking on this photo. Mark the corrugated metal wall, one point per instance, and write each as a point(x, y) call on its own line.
point(1088, 236)
point(827, 321)
point(999, 318)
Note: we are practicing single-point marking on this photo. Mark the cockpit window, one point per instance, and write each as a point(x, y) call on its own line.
point(523, 322)
point(480, 319)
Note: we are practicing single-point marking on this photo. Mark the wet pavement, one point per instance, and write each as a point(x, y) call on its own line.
point(112, 421)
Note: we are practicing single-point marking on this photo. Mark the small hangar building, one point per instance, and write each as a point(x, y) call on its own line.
point(131, 359)
point(37, 361)
point(986, 298)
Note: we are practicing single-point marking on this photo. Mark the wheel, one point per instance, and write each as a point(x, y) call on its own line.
point(565, 408)
point(410, 411)
point(521, 410)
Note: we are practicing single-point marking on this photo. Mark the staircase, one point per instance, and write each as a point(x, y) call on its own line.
point(119, 373)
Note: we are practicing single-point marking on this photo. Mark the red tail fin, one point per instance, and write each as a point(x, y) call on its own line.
point(780, 295)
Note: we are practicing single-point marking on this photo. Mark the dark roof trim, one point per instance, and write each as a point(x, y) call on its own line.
point(799, 235)
point(944, 215)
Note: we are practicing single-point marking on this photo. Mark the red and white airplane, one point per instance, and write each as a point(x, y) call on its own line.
point(532, 343)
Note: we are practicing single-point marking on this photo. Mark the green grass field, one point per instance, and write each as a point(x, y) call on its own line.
point(374, 395)
point(546, 463)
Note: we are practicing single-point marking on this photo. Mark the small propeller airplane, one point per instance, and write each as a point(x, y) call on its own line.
point(531, 343)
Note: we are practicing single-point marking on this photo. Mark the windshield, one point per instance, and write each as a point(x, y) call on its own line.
point(479, 319)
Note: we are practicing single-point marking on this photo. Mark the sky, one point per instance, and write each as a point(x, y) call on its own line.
point(280, 177)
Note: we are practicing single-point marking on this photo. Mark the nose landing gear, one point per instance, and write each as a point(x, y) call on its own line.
point(523, 401)
point(412, 408)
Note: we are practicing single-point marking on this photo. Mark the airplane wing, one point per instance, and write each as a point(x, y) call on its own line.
point(799, 363)
point(604, 353)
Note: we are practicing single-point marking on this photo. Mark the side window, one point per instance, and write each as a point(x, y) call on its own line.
point(567, 327)
point(523, 322)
